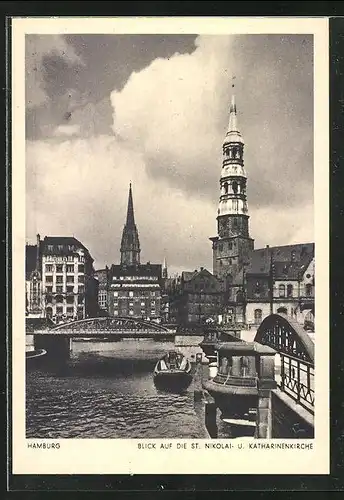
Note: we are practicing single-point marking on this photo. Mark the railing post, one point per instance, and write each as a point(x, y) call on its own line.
point(298, 382)
point(282, 372)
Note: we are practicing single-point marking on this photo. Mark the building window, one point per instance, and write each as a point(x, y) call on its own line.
point(70, 310)
point(70, 289)
point(59, 279)
point(226, 187)
point(48, 268)
point(59, 310)
point(115, 294)
point(81, 289)
point(309, 290)
point(49, 289)
point(50, 248)
point(257, 316)
point(230, 245)
point(48, 299)
point(282, 310)
point(49, 279)
point(70, 299)
point(70, 268)
point(131, 312)
point(81, 268)
point(235, 187)
point(281, 290)
point(131, 294)
point(59, 288)
point(49, 312)
point(81, 279)
point(70, 279)
point(59, 268)
point(289, 290)
point(115, 313)
point(235, 222)
point(60, 247)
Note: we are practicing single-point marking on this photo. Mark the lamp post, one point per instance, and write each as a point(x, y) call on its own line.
point(271, 283)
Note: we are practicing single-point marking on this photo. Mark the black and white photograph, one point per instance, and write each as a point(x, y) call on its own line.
point(170, 235)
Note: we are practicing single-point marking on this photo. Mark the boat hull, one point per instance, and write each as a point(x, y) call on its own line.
point(172, 380)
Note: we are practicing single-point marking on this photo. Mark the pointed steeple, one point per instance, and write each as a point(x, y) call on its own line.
point(130, 211)
point(164, 268)
point(130, 244)
point(233, 122)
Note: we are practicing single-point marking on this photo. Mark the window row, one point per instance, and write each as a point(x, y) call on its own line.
point(62, 289)
point(137, 294)
point(60, 268)
point(69, 279)
point(60, 299)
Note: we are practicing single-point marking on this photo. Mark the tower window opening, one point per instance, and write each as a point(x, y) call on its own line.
point(235, 187)
point(235, 222)
point(281, 290)
point(226, 187)
point(289, 290)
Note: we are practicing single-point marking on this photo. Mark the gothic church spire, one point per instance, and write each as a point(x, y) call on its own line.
point(130, 244)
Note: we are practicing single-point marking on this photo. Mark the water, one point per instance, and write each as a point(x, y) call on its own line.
point(106, 390)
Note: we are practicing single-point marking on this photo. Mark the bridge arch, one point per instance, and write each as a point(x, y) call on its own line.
point(107, 324)
point(286, 336)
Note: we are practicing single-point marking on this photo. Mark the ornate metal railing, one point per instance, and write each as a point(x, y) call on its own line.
point(110, 325)
point(296, 351)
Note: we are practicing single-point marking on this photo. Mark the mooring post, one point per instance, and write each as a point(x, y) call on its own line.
point(210, 415)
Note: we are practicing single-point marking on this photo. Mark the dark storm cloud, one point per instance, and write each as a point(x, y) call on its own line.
point(102, 63)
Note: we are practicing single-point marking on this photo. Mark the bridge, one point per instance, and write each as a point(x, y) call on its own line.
point(120, 327)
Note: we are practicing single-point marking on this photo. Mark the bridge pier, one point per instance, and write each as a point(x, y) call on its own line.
point(57, 346)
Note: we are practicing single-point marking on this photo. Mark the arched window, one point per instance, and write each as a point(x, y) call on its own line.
point(282, 310)
point(244, 364)
point(257, 316)
point(49, 312)
point(226, 187)
point(257, 288)
point(281, 290)
point(309, 290)
point(289, 290)
point(235, 187)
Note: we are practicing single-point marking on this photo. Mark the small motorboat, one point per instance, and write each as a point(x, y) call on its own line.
point(173, 371)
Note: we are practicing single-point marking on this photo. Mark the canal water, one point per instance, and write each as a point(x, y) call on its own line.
point(106, 390)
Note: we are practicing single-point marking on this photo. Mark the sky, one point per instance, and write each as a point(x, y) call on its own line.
point(106, 110)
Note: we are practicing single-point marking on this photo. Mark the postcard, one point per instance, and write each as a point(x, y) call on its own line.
point(170, 221)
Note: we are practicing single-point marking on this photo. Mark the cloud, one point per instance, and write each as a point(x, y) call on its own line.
point(37, 47)
point(63, 130)
point(169, 122)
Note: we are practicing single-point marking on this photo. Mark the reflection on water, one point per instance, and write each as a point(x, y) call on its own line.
point(106, 390)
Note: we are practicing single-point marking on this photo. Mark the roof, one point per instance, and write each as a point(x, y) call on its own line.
point(30, 259)
point(69, 243)
point(136, 270)
point(288, 260)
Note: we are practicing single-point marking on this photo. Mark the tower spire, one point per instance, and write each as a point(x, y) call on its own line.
point(130, 244)
point(130, 211)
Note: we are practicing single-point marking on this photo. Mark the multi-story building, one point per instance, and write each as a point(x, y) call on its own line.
point(102, 276)
point(256, 282)
point(196, 298)
point(33, 281)
point(69, 287)
point(281, 280)
point(134, 289)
